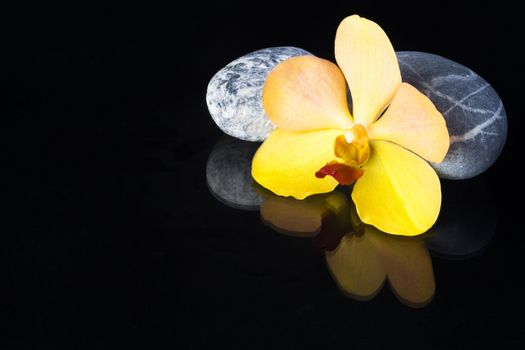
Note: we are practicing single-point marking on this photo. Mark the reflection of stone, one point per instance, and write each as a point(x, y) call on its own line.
point(234, 94)
point(475, 116)
point(466, 223)
point(228, 173)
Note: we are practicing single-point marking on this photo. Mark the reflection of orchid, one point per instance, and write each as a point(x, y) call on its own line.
point(363, 257)
point(364, 260)
point(301, 218)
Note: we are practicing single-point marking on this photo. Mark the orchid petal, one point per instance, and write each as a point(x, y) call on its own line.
point(286, 162)
point(413, 122)
point(366, 57)
point(399, 192)
point(307, 93)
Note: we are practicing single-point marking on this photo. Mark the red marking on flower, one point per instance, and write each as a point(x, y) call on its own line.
point(344, 174)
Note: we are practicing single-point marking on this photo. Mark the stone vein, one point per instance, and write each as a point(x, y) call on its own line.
point(442, 78)
point(460, 102)
point(478, 129)
point(456, 103)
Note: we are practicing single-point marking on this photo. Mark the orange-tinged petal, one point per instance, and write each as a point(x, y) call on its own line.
point(413, 122)
point(286, 162)
point(356, 267)
point(366, 57)
point(306, 93)
point(399, 192)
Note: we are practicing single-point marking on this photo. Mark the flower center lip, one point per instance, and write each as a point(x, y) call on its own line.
point(353, 152)
point(352, 147)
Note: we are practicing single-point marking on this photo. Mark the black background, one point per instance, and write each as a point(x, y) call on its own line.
point(110, 236)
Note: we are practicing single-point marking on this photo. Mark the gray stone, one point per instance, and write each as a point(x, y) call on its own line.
point(234, 95)
point(475, 115)
point(228, 173)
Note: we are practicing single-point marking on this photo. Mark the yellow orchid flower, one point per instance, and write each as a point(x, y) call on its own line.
point(305, 97)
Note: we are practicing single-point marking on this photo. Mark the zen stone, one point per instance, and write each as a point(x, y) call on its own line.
point(228, 173)
point(234, 95)
point(474, 113)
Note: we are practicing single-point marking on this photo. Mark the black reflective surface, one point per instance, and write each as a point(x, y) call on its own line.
point(112, 237)
point(360, 257)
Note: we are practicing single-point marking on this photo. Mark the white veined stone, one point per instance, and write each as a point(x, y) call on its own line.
point(234, 95)
point(474, 113)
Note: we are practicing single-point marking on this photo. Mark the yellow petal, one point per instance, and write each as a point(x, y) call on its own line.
point(408, 266)
point(286, 162)
point(399, 192)
point(356, 267)
point(413, 122)
point(366, 57)
point(306, 93)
